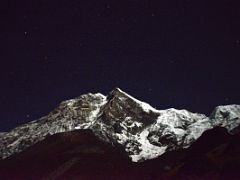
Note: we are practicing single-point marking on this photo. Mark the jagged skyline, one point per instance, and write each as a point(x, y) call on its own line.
point(182, 54)
point(120, 119)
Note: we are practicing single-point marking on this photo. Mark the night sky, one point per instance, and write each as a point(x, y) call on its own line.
point(169, 53)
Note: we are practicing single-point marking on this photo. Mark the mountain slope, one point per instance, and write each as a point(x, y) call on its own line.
point(121, 120)
point(59, 155)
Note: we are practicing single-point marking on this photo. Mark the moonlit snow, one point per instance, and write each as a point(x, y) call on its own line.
point(143, 131)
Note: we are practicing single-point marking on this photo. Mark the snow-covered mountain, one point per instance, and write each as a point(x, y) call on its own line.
point(118, 118)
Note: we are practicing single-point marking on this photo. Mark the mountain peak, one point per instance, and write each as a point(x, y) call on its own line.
point(121, 95)
point(120, 119)
point(117, 89)
point(116, 92)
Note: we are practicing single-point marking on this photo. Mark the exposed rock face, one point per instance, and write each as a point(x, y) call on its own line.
point(227, 116)
point(118, 118)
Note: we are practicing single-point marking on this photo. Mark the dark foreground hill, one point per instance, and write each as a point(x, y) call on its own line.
point(81, 155)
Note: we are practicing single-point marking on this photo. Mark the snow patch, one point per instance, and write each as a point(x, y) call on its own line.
point(148, 151)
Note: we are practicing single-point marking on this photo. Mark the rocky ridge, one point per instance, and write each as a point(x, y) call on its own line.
point(119, 119)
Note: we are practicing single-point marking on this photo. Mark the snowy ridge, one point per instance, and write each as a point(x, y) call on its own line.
point(119, 118)
point(145, 106)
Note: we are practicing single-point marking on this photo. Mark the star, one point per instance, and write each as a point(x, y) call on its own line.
point(12, 73)
point(45, 57)
point(41, 43)
point(153, 15)
point(122, 19)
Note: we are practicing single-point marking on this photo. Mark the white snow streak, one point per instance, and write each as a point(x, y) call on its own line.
point(148, 151)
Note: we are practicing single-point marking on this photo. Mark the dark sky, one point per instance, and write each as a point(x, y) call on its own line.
point(170, 53)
